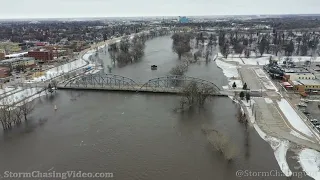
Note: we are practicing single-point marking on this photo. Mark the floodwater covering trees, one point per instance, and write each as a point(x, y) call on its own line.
point(129, 50)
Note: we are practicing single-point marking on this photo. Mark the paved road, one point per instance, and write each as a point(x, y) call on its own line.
point(249, 76)
point(273, 122)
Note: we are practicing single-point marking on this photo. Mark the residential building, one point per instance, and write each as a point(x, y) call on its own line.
point(41, 54)
point(4, 71)
point(21, 61)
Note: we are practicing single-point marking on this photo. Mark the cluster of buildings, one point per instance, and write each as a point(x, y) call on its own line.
point(40, 54)
point(304, 80)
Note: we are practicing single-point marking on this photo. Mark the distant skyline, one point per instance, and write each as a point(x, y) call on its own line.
point(15, 9)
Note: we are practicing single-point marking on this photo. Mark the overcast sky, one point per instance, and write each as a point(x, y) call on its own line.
point(120, 8)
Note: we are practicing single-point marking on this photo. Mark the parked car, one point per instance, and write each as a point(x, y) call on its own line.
point(302, 105)
point(314, 120)
point(316, 123)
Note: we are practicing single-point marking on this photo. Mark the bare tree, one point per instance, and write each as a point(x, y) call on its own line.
point(181, 43)
point(26, 108)
point(137, 50)
point(113, 56)
point(197, 94)
point(220, 143)
point(179, 70)
point(6, 113)
point(18, 116)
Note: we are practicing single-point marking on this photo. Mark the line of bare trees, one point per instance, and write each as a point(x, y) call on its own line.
point(284, 42)
point(187, 44)
point(129, 51)
point(13, 113)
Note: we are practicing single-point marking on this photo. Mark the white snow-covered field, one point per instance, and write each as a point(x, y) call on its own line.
point(294, 119)
point(7, 90)
point(279, 147)
point(16, 97)
point(231, 72)
point(310, 162)
point(257, 61)
point(252, 60)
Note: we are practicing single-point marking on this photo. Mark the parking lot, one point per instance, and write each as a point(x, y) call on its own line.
point(312, 111)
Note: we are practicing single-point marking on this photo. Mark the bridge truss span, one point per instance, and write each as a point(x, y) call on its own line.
point(177, 84)
point(166, 84)
point(103, 81)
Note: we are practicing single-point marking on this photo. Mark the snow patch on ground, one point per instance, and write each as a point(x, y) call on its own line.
point(268, 100)
point(257, 61)
point(252, 60)
point(19, 96)
point(7, 90)
point(280, 147)
point(310, 162)
point(296, 134)
point(228, 69)
point(293, 118)
point(231, 72)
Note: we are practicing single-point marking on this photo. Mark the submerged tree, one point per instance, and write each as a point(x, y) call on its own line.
point(26, 108)
point(50, 88)
point(196, 95)
point(221, 143)
point(181, 43)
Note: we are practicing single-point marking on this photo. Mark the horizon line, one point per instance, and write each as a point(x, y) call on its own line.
point(150, 16)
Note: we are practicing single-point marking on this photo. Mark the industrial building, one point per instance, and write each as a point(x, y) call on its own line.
point(295, 74)
point(306, 85)
point(183, 19)
point(41, 54)
point(21, 61)
point(301, 80)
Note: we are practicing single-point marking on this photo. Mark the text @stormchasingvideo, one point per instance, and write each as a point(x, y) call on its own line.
point(271, 173)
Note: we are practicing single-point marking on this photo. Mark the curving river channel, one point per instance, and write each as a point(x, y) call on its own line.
point(136, 136)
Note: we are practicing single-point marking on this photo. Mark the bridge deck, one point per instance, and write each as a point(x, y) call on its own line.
point(136, 88)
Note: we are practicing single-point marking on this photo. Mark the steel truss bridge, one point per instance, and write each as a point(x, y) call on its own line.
point(112, 82)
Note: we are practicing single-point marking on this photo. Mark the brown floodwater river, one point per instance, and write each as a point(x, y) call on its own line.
point(136, 136)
